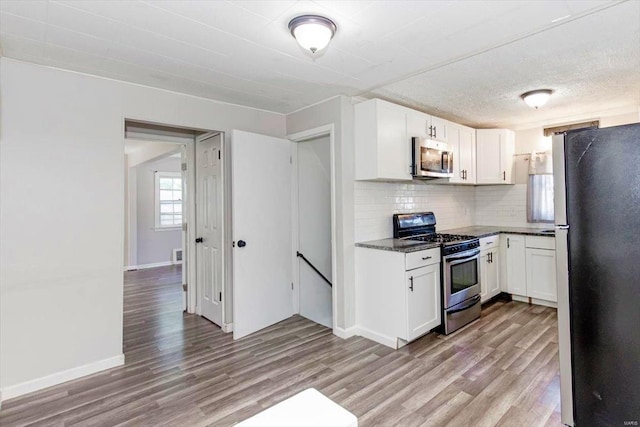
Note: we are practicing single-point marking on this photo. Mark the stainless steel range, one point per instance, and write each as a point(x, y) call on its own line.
point(460, 278)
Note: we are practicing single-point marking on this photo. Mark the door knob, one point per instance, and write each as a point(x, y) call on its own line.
point(242, 243)
point(199, 240)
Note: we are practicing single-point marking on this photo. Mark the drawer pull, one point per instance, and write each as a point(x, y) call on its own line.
point(424, 258)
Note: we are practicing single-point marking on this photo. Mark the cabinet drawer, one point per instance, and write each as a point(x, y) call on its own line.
point(540, 242)
point(489, 242)
point(422, 258)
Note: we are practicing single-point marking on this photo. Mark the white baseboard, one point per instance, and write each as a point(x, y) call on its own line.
point(227, 327)
point(379, 338)
point(152, 265)
point(60, 377)
point(535, 301)
point(345, 333)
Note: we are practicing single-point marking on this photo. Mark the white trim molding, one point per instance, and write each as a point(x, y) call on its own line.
point(152, 265)
point(345, 333)
point(61, 377)
point(379, 338)
point(227, 327)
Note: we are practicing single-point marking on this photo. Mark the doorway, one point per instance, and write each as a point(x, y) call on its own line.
point(314, 229)
point(314, 213)
point(174, 192)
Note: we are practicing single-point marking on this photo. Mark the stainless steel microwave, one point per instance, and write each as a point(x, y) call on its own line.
point(431, 159)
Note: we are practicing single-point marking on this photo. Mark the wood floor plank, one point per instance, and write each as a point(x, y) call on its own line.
point(182, 370)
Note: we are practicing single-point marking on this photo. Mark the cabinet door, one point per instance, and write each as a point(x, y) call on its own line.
point(488, 157)
point(493, 273)
point(439, 129)
point(484, 280)
point(541, 274)
point(467, 154)
point(394, 146)
point(515, 259)
point(417, 124)
point(423, 300)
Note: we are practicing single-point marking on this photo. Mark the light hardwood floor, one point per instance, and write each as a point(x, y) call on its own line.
point(181, 370)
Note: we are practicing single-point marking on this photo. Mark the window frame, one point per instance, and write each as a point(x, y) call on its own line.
point(157, 176)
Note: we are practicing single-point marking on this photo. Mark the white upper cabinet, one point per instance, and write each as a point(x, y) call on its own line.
point(438, 129)
point(462, 140)
point(383, 147)
point(426, 126)
point(417, 124)
point(494, 156)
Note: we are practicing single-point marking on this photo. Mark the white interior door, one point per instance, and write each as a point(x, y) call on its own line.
point(262, 232)
point(185, 215)
point(209, 220)
point(314, 225)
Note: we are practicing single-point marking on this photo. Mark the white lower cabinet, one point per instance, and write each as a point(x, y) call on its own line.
point(398, 296)
point(530, 268)
point(513, 246)
point(423, 314)
point(541, 274)
point(489, 267)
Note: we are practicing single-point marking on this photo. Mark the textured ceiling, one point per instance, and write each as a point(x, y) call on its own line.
point(463, 60)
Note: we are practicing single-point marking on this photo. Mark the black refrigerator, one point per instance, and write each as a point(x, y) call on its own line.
point(597, 216)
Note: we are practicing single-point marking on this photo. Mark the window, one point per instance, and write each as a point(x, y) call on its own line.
point(168, 199)
point(540, 188)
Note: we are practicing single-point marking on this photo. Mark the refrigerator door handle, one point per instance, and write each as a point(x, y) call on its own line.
point(562, 227)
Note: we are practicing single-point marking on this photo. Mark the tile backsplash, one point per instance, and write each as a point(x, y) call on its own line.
point(503, 205)
point(376, 202)
point(454, 205)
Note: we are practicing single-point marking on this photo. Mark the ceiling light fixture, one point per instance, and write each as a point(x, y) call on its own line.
point(312, 32)
point(536, 98)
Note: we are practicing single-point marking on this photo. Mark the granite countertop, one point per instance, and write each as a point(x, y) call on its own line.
point(401, 245)
point(485, 230)
point(398, 245)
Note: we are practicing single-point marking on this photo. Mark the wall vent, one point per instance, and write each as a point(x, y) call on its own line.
point(177, 256)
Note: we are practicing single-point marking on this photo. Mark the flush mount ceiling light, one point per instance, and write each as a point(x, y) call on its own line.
point(536, 98)
point(312, 32)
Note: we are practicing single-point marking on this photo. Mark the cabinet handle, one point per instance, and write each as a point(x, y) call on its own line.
point(435, 132)
point(465, 174)
point(507, 242)
point(426, 258)
point(504, 175)
point(411, 283)
point(490, 257)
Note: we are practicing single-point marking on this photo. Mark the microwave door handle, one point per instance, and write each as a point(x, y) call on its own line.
point(442, 160)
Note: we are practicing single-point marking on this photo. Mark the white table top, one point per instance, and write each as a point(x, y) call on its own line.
point(309, 408)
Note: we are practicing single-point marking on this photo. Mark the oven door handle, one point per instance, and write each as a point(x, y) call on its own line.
point(470, 303)
point(463, 256)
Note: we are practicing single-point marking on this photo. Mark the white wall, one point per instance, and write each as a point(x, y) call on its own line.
point(376, 202)
point(153, 246)
point(339, 112)
point(61, 211)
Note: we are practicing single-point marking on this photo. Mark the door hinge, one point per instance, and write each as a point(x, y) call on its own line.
point(184, 226)
point(291, 285)
point(184, 287)
point(183, 166)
